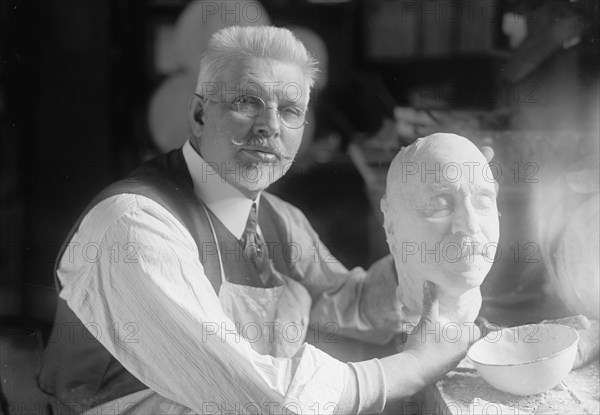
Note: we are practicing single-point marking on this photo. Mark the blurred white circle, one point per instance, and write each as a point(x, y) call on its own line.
point(317, 48)
point(200, 19)
point(168, 112)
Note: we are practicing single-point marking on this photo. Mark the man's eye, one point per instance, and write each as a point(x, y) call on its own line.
point(292, 112)
point(245, 100)
point(440, 202)
point(246, 103)
point(484, 201)
point(438, 206)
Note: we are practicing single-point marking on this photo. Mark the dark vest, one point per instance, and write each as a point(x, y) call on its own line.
point(76, 368)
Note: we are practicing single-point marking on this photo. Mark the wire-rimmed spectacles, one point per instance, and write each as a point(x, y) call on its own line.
point(253, 106)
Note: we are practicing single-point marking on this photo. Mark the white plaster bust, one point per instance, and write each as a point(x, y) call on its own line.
point(441, 222)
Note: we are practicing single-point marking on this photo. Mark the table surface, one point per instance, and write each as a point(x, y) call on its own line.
point(463, 391)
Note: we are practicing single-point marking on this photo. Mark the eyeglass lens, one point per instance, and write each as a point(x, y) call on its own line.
point(253, 106)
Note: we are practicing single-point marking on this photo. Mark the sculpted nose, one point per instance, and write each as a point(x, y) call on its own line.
point(465, 220)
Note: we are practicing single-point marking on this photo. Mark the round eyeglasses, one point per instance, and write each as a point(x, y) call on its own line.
point(252, 106)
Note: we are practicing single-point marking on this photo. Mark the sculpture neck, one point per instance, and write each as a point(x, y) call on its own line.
point(459, 308)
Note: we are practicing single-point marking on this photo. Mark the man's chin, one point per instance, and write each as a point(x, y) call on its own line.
point(462, 279)
point(470, 279)
point(257, 177)
point(249, 187)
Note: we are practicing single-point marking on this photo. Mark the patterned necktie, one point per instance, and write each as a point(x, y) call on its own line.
point(255, 249)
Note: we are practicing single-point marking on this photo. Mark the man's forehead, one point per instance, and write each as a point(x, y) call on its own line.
point(416, 182)
point(449, 177)
point(435, 170)
point(267, 78)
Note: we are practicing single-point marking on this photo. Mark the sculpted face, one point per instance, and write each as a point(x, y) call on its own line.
point(250, 153)
point(440, 214)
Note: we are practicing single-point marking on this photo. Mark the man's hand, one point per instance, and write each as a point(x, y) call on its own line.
point(437, 342)
point(433, 348)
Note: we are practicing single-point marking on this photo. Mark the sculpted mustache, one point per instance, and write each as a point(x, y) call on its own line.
point(468, 244)
point(261, 144)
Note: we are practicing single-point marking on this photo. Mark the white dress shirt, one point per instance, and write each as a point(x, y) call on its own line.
point(131, 273)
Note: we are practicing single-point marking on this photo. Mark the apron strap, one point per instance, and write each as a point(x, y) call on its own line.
point(214, 233)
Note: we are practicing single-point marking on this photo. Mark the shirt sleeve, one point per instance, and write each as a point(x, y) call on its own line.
point(357, 303)
point(132, 273)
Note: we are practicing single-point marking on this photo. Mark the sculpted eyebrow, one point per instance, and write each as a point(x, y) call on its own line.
point(485, 190)
point(437, 188)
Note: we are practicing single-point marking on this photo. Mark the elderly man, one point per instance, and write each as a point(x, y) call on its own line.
point(179, 284)
point(441, 223)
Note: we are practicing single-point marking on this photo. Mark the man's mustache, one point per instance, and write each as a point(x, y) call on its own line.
point(262, 144)
point(466, 244)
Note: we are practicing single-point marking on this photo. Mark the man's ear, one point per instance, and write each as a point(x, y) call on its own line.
point(196, 115)
point(387, 222)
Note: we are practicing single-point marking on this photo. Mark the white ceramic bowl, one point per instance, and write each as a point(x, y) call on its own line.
point(526, 360)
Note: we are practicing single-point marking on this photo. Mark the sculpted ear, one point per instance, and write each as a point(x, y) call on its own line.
point(488, 153)
point(387, 220)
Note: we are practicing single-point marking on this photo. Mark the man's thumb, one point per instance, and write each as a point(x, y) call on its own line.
point(430, 301)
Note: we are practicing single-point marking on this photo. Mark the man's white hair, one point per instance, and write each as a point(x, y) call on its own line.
point(238, 42)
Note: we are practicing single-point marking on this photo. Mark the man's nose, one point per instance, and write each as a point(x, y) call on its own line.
point(465, 219)
point(268, 123)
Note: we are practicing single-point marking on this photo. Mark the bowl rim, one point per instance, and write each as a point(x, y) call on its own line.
point(566, 349)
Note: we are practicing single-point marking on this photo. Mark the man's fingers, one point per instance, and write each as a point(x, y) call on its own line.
point(477, 334)
point(430, 301)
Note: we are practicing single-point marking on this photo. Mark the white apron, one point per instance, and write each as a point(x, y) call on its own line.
point(274, 320)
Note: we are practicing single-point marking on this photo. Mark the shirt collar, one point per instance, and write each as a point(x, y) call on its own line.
point(228, 204)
